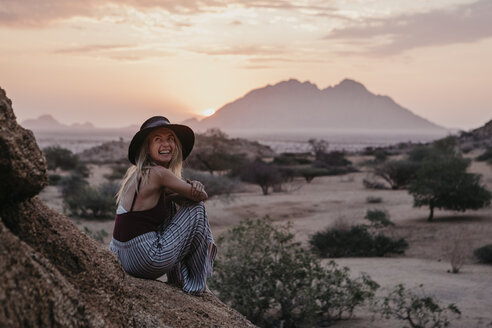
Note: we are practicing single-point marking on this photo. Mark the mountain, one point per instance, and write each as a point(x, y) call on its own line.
point(49, 123)
point(291, 106)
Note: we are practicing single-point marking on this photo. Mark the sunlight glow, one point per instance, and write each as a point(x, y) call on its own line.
point(208, 112)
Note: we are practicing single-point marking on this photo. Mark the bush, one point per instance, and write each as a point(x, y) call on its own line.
point(97, 235)
point(273, 281)
point(373, 199)
point(357, 241)
point(72, 184)
point(309, 173)
point(373, 184)
point(90, 202)
point(117, 172)
point(54, 179)
point(397, 173)
point(263, 175)
point(333, 158)
point(214, 185)
point(292, 159)
point(484, 254)
point(378, 218)
point(60, 157)
point(486, 156)
point(420, 311)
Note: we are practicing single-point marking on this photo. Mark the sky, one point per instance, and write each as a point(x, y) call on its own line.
point(116, 63)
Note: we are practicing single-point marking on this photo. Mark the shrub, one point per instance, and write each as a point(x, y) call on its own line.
point(214, 185)
point(456, 247)
point(397, 173)
point(378, 218)
point(91, 202)
point(292, 159)
point(273, 281)
point(97, 235)
point(357, 241)
point(484, 254)
point(333, 158)
point(420, 311)
point(486, 156)
point(72, 184)
point(373, 199)
point(373, 184)
point(54, 179)
point(263, 175)
point(57, 156)
point(309, 173)
point(117, 172)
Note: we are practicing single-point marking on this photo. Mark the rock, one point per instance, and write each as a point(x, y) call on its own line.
point(22, 166)
point(52, 275)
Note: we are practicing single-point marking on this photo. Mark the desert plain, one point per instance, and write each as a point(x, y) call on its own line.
point(334, 200)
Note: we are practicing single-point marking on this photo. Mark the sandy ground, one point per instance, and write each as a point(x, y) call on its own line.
point(312, 207)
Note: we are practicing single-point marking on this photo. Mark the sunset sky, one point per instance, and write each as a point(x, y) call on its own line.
point(115, 63)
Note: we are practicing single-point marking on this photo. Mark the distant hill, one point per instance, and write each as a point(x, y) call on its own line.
point(295, 106)
point(48, 122)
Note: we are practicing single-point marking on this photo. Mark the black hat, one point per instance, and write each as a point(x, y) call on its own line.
point(185, 135)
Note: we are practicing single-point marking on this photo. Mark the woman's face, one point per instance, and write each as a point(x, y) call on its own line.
point(162, 146)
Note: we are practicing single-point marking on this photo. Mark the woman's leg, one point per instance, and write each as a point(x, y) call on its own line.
point(187, 241)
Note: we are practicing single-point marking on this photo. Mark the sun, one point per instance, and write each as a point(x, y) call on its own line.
point(208, 112)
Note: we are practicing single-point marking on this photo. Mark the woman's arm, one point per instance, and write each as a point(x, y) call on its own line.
point(192, 190)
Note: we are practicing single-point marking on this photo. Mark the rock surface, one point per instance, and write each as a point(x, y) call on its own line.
point(54, 276)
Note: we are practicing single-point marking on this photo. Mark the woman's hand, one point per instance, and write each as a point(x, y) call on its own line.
point(197, 190)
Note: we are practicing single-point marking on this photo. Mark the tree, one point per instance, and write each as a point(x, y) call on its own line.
point(442, 182)
point(262, 174)
point(398, 173)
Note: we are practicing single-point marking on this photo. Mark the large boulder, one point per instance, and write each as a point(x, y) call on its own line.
point(54, 276)
point(22, 166)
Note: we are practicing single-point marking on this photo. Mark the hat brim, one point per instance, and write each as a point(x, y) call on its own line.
point(185, 135)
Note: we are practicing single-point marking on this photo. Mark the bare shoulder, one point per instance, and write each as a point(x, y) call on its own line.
point(159, 174)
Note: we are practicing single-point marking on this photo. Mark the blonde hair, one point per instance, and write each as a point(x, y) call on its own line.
point(144, 163)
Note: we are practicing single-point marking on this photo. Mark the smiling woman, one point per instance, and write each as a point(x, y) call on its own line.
point(151, 237)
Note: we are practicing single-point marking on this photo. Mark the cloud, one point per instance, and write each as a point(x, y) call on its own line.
point(252, 50)
point(118, 52)
point(35, 13)
point(461, 24)
point(92, 48)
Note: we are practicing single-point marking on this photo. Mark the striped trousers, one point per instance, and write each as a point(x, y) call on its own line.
point(183, 248)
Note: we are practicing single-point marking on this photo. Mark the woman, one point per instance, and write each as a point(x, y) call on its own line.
point(150, 237)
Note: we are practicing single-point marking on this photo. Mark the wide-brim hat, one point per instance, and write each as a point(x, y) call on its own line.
point(185, 135)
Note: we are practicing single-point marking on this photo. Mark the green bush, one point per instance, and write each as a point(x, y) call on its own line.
point(292, 159)
point(117, 172)
point(309, 173)
point(262, 174)
point(420, 311)
point(90, 202)
point(57, 156)
point(54, 179)
point(97, 235)
point(273, 281)
point(214, 185)
point(373, 199)
point(355, 242)
point(484, 254)
point(486, 156)
point(378, 218)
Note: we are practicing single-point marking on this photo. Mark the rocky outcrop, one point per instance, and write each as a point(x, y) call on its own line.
point(54, 276)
